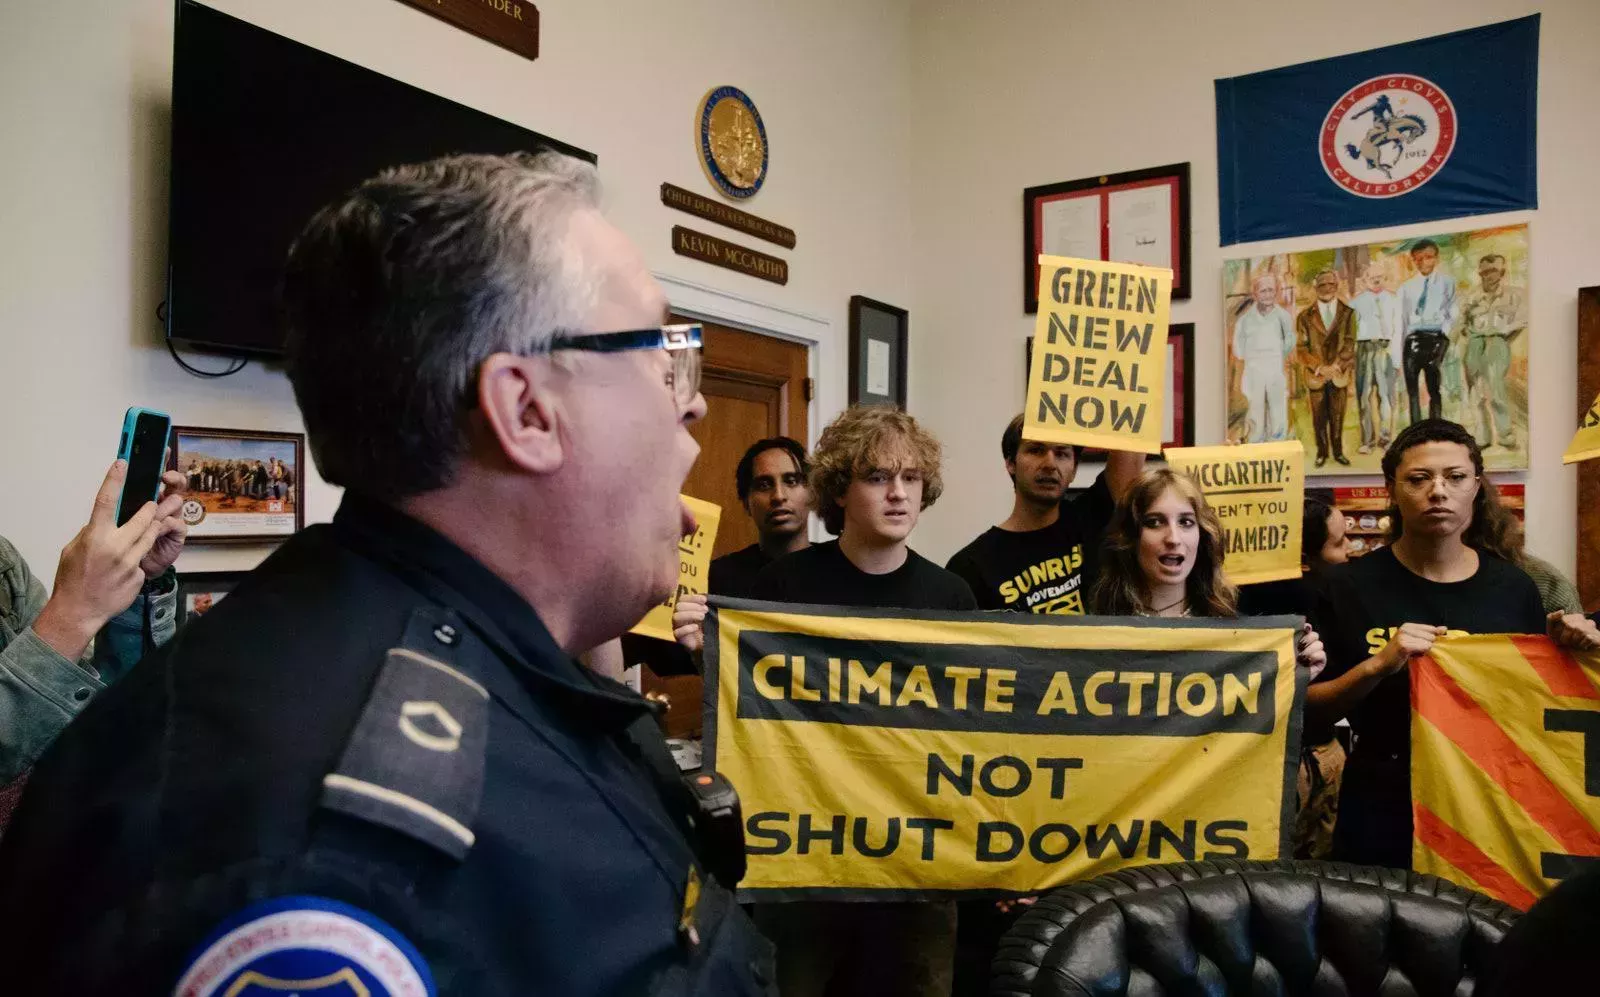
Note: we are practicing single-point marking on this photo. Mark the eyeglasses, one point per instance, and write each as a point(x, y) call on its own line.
point(682, 343)
point(1455, 482)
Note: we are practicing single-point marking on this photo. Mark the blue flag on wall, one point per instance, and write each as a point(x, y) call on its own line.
point(1437, 128)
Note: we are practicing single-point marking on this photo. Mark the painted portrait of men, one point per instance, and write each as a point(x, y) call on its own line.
point(1421, 327)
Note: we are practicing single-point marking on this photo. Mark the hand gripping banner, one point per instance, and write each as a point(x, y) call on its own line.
point(885, 755)
point(1505, 764)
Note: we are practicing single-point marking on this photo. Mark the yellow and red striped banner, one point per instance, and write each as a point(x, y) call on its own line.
point(1505, 764)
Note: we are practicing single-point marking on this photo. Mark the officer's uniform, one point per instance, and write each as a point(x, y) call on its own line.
point(372, 764)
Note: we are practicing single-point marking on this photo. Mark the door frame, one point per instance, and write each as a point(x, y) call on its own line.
point(826, 353)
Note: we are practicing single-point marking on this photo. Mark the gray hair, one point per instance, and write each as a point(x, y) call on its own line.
point(395, 294)
point(1324, 272)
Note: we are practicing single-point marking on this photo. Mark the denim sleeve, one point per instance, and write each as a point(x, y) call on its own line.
point(40, 691)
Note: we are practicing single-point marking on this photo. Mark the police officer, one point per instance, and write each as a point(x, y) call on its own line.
point(376, 767)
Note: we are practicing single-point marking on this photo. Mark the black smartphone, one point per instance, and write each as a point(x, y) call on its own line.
point(144, 447)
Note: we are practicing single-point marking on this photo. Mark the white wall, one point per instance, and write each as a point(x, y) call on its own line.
point(903, 132)
point(84, 97)
point(1027, 92)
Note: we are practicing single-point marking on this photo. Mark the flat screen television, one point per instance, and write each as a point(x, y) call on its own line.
point(264, 132)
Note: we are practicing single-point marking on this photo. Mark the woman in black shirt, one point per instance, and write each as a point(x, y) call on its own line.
point(1439, 574)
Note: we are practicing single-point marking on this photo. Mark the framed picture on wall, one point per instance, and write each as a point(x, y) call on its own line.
point(199, 591)
point(1137, 217)
point(1178, 406)
point(878, 336)
point(1483, 275)
point(244, 486)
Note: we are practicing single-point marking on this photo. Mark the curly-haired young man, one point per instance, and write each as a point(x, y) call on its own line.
point(873, 472)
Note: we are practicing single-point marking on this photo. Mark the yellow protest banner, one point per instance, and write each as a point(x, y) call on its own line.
point(694, 566)
point(1099, 355)
point(879, 756)
point(1505, 764)
point(1259, 493)
point(1586, 444)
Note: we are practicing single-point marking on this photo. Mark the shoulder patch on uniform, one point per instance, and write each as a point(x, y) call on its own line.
point(415, 761)
point(311, 946)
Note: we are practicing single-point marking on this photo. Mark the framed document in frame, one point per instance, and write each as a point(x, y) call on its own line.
point(878, 334)
point(1178, 408)
point(1136, 217)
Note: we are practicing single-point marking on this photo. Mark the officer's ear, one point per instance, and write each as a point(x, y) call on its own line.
point(517, 397)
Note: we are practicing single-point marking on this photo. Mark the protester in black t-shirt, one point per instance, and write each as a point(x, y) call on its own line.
point(873, 472)
point(1443, 571)
point(771, 479)
point(1322, 756)
point(1041, 559)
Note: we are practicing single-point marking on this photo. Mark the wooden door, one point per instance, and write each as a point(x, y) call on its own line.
point(755, 387)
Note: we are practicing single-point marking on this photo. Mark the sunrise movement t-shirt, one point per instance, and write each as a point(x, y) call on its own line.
point(1040, 571)
point(1364, 603)
point(822, 575)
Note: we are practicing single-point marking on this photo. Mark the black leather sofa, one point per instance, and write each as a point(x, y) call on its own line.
point(1232, 927)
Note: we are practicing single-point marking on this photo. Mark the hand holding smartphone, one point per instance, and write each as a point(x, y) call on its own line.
point(144, 447)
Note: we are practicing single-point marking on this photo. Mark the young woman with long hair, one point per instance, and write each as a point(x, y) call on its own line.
point(1444, 570)
point(1163, 555)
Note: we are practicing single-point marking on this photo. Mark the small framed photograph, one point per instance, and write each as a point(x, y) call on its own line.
point(198, 591)
point(878, 336)
point(1178, 408)
point(244, 486)
point(1137, 217)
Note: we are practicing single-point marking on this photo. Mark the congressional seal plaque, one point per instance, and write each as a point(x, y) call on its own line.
point(733, 142)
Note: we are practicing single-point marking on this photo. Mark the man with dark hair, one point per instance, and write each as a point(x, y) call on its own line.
point(1041, 559)
point(771, 478)
point(376, 765)
point(772, 481)
point(1428, 309)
